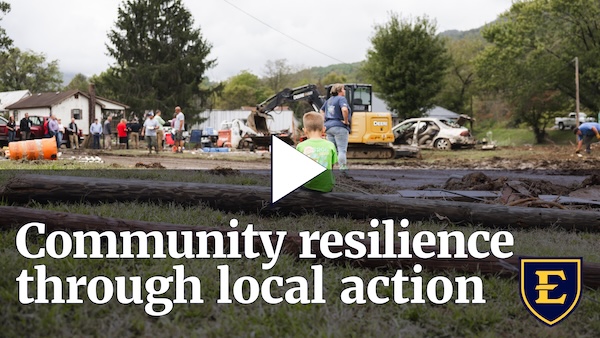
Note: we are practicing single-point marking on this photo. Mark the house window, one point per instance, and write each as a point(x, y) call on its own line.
point(76, 114)
point(76, 95)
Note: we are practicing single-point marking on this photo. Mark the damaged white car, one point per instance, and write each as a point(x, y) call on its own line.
point(429, 132)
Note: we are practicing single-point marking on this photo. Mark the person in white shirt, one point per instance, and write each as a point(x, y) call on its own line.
point(149, 132)
point(179, 128)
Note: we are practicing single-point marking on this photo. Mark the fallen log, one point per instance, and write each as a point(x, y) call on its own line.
point(54, 220)
point(254, 199)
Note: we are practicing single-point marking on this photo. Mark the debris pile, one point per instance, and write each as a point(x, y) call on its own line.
point(154, 165)
point(224, 171)
point(87, 159)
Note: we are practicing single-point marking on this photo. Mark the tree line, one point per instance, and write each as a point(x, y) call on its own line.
point(518, 70)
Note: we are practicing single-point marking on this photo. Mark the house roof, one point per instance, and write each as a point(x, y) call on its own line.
point(43, 100)
point(378, 105)
point(8, 98)
point(109, 102)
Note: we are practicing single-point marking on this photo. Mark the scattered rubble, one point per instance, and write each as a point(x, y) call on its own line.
point(154, 165)
point(346, 183)
point(479, 181)
point(224, 171)
point(87, 159)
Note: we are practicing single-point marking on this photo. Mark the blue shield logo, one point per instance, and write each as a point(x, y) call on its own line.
point(551, 287)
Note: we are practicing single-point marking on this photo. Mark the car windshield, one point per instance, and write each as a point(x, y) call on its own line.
point(3, 120)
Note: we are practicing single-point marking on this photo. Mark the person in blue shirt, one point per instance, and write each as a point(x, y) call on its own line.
point(338, 119)
point(96, 131)
point(587, 133)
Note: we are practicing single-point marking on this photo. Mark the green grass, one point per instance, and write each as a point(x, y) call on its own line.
point(523, 136)
point(503, 315)
point(10, 169)
point(238, 156)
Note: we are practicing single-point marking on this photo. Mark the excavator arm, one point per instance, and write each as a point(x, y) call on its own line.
point(258, 118)
point(307, 92)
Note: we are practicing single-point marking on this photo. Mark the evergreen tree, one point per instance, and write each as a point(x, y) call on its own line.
point(160, 58)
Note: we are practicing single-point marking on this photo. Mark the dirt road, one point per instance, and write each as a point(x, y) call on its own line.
point(389, 176)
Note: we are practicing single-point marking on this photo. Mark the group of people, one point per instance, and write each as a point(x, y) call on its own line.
point(52, 127)
point(24, 128)
point(151, 130)
point(154, 134)
point(126, 131)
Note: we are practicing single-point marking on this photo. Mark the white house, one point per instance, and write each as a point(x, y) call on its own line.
point(8, 98)
point(66, 105)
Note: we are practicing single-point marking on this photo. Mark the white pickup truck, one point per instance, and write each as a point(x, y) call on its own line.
point(569, 122)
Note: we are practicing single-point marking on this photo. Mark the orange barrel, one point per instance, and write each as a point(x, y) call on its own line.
point(40, 149)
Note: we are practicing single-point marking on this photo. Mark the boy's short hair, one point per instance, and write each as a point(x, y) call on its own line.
point(313, 121)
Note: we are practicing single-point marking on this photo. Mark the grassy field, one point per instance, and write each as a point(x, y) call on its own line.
point(503, 314)
point(522, 136)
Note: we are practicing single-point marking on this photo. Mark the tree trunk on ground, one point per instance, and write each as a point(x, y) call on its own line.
point(253, 199)
point(18, 216)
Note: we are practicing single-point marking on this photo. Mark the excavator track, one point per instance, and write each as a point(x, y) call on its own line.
point(370, 151)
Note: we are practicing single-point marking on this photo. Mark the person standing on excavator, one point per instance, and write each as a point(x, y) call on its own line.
point(338, 119)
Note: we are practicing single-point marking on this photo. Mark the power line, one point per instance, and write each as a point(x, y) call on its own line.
point(284, 34)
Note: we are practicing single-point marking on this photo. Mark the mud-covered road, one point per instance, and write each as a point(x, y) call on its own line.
point(389, 176)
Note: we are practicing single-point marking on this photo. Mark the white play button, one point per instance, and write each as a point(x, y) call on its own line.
point(289, 169)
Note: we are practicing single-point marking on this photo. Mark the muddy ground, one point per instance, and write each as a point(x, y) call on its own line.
point(544, 171)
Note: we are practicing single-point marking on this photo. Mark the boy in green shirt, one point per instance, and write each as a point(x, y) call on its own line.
point(320, 150)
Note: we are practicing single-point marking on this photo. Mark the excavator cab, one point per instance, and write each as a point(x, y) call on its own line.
point(359, 96)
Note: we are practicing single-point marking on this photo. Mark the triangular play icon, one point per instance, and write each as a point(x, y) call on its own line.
point(289, 169)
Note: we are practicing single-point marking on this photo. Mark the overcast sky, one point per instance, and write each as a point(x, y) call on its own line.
point(75, 31)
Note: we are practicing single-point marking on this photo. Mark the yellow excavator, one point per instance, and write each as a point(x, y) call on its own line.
point(371, 134)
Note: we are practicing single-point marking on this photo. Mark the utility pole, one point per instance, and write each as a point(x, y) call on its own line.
point(577, 92)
